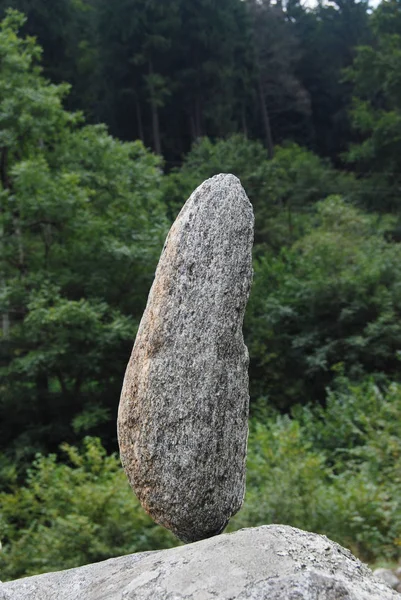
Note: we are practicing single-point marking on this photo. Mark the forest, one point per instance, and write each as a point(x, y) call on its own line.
point(111, 113)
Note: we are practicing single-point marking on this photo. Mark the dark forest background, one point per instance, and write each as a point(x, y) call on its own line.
point(111, 113)
point(171, 72)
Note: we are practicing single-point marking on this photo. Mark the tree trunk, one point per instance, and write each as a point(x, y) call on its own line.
point(195, 120)
point(198, 118)
point(7, 185)
point(290, 225)
point(139, 121)
point(21, 252)
point(5, 317)
point(266, 121)
point(243, 122)
point(155, 116)
point(192, 127)
point(42, 387)
point(156, 130)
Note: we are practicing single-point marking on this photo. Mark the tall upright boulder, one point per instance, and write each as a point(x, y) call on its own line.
point(182, 422)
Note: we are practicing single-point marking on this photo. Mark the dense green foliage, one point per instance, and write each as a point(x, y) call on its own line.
point(334, 470)
point(170, 72)
point(81, 222)
point(69, 514)
point(376, 112)
point(268, 92)
point(329, 301)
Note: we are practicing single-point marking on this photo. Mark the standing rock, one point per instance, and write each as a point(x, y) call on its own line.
point(182, 422)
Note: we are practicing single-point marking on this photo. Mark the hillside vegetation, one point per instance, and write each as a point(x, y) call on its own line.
point(304, 106)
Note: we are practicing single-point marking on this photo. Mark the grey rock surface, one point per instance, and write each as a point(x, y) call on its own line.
point(182, 422)
point(272, 562)
point(388, 576)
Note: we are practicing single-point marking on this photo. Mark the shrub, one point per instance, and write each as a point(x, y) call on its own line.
point(333, 470)
point(70, 514)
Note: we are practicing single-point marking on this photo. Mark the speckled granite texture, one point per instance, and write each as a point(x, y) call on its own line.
point(182, 422)
point(274, 562)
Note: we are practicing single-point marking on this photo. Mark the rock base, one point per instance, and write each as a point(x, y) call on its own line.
point(273, 562)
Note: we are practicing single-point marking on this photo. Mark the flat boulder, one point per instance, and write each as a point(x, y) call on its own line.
point(182, 422)
point(273, 562)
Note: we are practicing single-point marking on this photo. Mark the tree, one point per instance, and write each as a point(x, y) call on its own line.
point(276, 53)
point(328, 36)
point(67, 33)
point(283, 190)
point(213, 64)
point(376, 114)
point(81, 227)
point(329, 303)
point(171, 70)
point(137, 38)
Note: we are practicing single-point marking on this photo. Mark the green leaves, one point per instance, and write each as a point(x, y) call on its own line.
point(72, 336)
point(333, 297)
point(281, 190)
point(82, 222)
point(376, 112)
point(30, 108)
point(81, 227)
point(333, 469)
point(71, 514)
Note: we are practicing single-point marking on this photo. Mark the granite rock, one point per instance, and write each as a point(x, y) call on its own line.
point(274, 562)
point(388, 576)
point(182, 422)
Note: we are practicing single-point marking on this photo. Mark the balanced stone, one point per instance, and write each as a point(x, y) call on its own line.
point(183, 414)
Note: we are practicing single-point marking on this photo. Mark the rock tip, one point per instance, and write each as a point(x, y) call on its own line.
point(226, 182)
point(226, 177)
